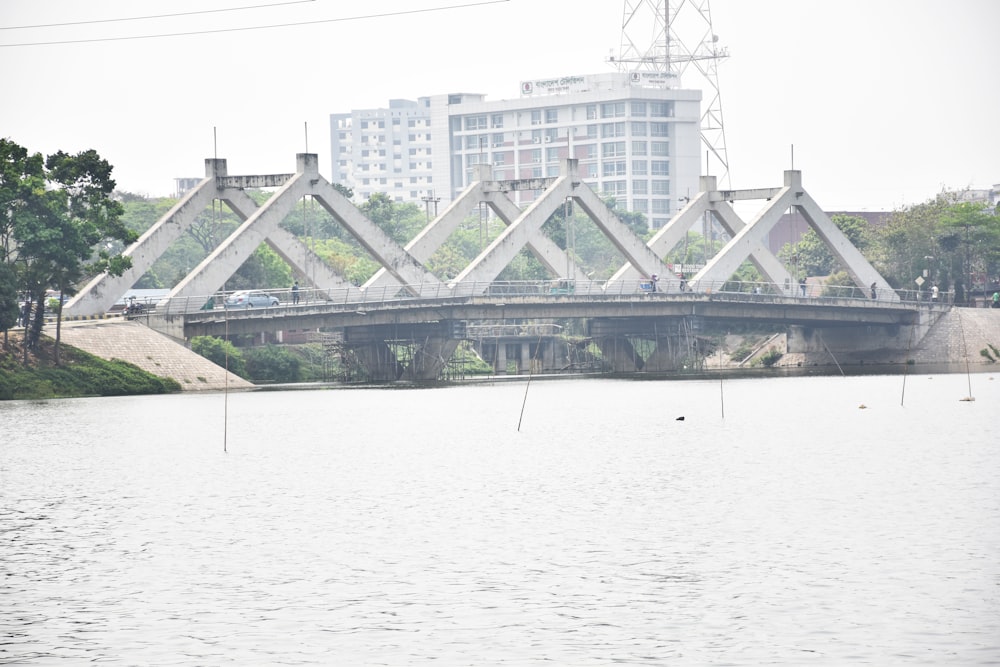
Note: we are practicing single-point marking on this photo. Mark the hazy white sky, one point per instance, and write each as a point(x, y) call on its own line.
point(886, 102)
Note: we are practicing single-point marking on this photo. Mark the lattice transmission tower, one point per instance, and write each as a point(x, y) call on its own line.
point(673, 39)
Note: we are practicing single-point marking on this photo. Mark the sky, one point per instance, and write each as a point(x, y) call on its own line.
point(881, 104)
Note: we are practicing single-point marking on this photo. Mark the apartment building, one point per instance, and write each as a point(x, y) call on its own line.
point(636, 139)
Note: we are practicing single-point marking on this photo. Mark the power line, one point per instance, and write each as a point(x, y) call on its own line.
point(260, 27)
point(152, 16)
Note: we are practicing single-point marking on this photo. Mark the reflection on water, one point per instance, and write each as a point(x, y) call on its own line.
point(386, 527)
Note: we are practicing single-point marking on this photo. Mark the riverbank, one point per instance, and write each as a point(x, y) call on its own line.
point(78, 374)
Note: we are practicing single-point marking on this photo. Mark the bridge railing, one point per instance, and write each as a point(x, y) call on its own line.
point(354, 298)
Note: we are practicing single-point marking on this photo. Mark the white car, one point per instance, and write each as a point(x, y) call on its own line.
point(250, 299)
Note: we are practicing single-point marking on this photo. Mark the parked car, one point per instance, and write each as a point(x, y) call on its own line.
point(250, 299)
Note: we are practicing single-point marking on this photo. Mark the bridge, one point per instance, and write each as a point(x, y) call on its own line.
point(403, 305)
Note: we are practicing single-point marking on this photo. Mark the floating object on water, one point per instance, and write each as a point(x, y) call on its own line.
point(679, 419)
point(862, 407)
point(968, 398)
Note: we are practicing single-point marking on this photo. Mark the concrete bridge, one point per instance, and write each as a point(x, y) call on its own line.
point(403, 302)
point(431, 326)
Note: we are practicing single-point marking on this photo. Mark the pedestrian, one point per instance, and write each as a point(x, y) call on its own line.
point(996, 299)
point(934, 293)
point(295, 292)
point(683, 281)
point(802, 286)
point(873, 290)
point(653, 279)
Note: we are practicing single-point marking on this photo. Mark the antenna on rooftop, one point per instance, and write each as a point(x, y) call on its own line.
point(681, 43)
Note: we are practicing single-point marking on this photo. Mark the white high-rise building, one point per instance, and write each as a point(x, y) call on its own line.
point(636, 139)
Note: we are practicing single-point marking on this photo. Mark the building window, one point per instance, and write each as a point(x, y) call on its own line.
point(659, 129)
point(659, 167)
point(496, 120)
point(661, 206)
point(536, 155)
point(413, 151)
point(639, 168)
point(591, 131)
point(639, 128)
point(411, 123)
point(659, 148)
point(475, 122)
point(551, 154)
point(536, 136)
point(536, 116)
point(640, 187)
point(552, 170)
point(660, 109)
point(586, 152)
point(638, 108)
point(613, 149)
point(499, 158)
point(612, 109)
point(640, 205)
point(551, 134)
point(612, 130)
point(639, 148)
point(395, 121)
point(614, 168)
point(592, 170)
point(661, 187)
point(498, 139)
point(591, 112)
point(551, 115)
point(617, 188)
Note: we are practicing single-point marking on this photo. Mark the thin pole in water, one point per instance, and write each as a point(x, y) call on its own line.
point(906, 364)
point(527, 384)
point(722, 397)
point(965, 349)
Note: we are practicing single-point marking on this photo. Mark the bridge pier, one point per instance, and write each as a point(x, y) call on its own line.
point(429, 358)
point(378, 360)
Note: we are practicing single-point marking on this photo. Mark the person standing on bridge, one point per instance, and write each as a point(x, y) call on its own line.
point(653, 279)
point(873, 291)
point(295, 292)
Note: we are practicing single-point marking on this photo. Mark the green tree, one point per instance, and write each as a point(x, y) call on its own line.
point(9, 303)
point(810, 257)
point(64, 225)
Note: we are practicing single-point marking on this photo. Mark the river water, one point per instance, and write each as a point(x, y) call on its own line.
point(574, 522)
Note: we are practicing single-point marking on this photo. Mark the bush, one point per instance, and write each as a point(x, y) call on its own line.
point(272, 363)
point(220, 352)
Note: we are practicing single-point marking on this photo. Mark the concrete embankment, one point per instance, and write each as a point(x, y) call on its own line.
point(955, 341)
point(151, 351)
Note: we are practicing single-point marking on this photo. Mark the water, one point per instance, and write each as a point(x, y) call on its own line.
point(394, 527)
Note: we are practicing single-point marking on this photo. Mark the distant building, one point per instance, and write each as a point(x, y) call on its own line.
point(636, 139)
point(184, 185)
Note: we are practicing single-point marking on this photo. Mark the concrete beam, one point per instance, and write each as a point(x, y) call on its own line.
point(752, 239)
point(495, 257)
point(98, 295)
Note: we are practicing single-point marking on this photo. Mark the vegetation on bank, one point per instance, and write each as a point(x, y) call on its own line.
point(77, 374)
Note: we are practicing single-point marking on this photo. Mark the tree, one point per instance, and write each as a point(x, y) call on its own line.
point(63, 223)
point(810, 257)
